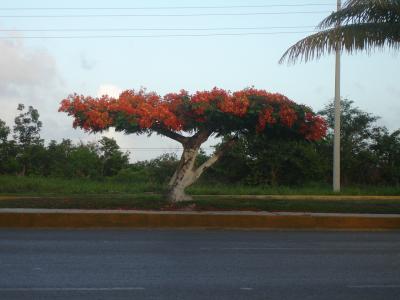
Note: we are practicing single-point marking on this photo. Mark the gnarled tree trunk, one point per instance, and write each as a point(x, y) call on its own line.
point(186, 173)
point(183, 176)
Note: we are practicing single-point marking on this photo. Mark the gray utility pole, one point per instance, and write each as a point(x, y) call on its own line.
point(336, 140)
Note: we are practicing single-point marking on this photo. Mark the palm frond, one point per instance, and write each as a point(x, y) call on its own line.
point(351, 37)
point(364, 11)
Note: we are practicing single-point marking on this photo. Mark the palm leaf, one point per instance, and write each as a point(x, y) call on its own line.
point(349, 37)
point(362, 25)
point(365, 11)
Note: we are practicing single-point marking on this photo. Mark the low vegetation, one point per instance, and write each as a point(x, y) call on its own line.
point(34, 185)
point(157, 202)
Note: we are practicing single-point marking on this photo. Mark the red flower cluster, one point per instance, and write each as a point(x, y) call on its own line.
point(175, 100)
point(180, 111)
point(237, 104)
point(144, 109)
point(314, 127)
point(265, 117)
point(90, 113)
point(252, 92)
point(205, 100)
point(287, 116)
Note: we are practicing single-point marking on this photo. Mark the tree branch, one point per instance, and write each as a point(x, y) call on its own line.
point(197, 139)
point(171, 134)
point(214, 158)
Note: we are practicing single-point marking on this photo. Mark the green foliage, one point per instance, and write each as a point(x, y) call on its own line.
point(27, 154)
point(85, 161)
point(259, 160)
point(112, 159)
point(386, 146)
point(7, 150)
point(157, 171)
point(4, 132)
point(365, 147)
point(370, 155)
point(27, 126)
point(29, 145)
point(58, 159)
point(39, 185)
point(133, 175)
point(232, 167)
point(357, 126)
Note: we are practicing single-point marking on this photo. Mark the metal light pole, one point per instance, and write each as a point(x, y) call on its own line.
point(336, 140)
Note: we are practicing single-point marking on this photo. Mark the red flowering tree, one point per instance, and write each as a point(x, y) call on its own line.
point(191, 119)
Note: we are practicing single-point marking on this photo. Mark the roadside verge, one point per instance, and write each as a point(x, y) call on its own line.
point(72, 218)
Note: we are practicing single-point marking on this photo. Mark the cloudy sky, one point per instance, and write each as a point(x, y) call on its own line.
point(42, 61)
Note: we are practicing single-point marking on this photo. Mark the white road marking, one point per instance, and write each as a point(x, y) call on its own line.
point(259, 248)
point(266, 248)
point(372, 286)
point(246, 288)
point(44, 289)
point(294, 248)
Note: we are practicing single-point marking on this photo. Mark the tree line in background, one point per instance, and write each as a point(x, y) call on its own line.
point(370, 156)
point(27, 154)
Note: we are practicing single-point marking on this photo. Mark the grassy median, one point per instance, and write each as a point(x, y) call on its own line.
point(156, 202)
point(57, 186)
point(39, 192)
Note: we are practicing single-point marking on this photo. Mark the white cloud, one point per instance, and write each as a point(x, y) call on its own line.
point(22, 67)
point(28, 76)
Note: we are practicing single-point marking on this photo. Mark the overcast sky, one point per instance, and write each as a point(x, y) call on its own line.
point(42, 71)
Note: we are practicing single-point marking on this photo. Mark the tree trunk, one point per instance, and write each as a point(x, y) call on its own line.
point(183, 176)
point(186, 174)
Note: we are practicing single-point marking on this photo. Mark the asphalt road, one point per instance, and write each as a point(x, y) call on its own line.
point(171, 264)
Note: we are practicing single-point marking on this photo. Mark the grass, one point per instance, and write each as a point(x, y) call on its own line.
point(351, 206)
point(156, 202)
point(316, 189)
point(39, 192)
point(126, 201)
point(48, 186)
point(42, 185)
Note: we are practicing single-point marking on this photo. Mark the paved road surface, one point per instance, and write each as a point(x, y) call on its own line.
point(171, 264)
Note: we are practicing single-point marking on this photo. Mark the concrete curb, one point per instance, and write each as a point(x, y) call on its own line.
point(62, 218)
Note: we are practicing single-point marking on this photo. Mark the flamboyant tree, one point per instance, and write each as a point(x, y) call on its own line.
point(191, 119)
